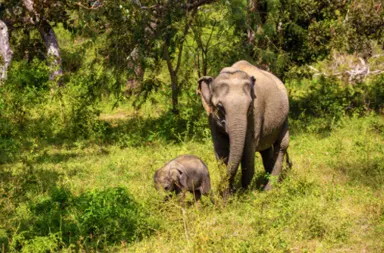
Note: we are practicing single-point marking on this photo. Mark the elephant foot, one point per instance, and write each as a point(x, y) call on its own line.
point(225, 194)
point(272, 182)
point(268, 187)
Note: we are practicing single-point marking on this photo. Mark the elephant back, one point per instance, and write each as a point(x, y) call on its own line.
point(273, 89)
point(263, 78)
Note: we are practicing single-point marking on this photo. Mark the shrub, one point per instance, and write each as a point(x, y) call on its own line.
point(376, 94)
point(20, 96)
point(33, 109)
point(94, 219)
point(325, 101)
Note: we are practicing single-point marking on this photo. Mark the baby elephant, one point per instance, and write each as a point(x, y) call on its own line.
point(184, 173)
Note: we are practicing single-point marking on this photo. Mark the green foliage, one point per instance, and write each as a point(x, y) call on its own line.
point(101, 198)
point(94, 219)
point(24, 89)
point(216, 40)
point(327, 101)
point(305, 31)
point(79, 100)
point(76, 171)
point(190, 123)
point(34, 112)
point(376, 94)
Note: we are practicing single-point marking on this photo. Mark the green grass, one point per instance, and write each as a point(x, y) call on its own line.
point(102, 198)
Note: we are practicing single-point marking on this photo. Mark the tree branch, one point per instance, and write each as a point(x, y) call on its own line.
point(89, 8)
point(49, 37)
point(195, 5)
point(167, 58)
point(210, 36)
point(186, 28)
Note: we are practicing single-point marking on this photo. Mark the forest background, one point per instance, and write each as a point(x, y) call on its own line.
point(97, 95)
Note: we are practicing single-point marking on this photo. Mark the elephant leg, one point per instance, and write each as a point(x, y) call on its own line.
point(276, 171)
point(221, 145)
point(279, 150)
point(268, 157)
point(197, 194)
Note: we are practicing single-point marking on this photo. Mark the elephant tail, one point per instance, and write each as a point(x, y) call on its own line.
point(286, 170)
point(288, 161)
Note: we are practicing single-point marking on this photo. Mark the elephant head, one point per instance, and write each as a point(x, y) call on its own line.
point(228, 100)
point(169, 178)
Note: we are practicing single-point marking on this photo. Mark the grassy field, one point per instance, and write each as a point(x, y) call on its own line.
point(101, 198)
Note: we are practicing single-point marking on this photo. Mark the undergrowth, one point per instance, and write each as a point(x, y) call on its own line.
point(76, 174)
point(92, 198)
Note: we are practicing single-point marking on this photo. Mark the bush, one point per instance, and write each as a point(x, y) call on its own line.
point(325, 101)
point(34, 110)
point(376, 94)
point(190, 122)
point(20, 97)
point(92, 220)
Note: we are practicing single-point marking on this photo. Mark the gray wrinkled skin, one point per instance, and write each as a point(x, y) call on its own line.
point(248, 111)
point(182, 174)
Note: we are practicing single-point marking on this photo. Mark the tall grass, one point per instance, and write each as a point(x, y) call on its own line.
point(76, 175)
point(102, 198)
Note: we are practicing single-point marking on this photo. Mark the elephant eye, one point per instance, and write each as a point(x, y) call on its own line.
point(221, 109)
point(220, 114)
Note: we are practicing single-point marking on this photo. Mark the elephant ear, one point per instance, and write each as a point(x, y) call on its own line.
point(179, 176)
point(204, 90)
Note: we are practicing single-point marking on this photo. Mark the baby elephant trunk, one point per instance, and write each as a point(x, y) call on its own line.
point(205, 185)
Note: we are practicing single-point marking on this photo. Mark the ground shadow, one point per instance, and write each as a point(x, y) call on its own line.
point(55, 158)
point(260, 180)
point(19, 186)
point(368, 173)
point(142, 131)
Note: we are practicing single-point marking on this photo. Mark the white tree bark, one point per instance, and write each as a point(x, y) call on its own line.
point(48, 35)
point(5, 51)
point(53, 50)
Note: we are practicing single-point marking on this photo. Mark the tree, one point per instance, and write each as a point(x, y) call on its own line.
point(22, 15)
point(217, 39)
point(288, 33)
point(143, 32)
point(47, 34)
point(5, 51)
point(173, 70)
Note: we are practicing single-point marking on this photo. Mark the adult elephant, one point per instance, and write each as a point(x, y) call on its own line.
point(248, 112)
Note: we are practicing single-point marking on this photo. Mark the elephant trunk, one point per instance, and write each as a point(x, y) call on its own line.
point(237, 128)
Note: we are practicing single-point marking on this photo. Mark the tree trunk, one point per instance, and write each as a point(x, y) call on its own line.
point(174, 71)
point(175, 93)
point(5, 51)
point(134, 63)
point(203, 68)
point(53, 50)
point(48, 35)
point(173, 75)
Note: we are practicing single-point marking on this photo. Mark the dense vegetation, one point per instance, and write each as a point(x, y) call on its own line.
point(83, 129)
